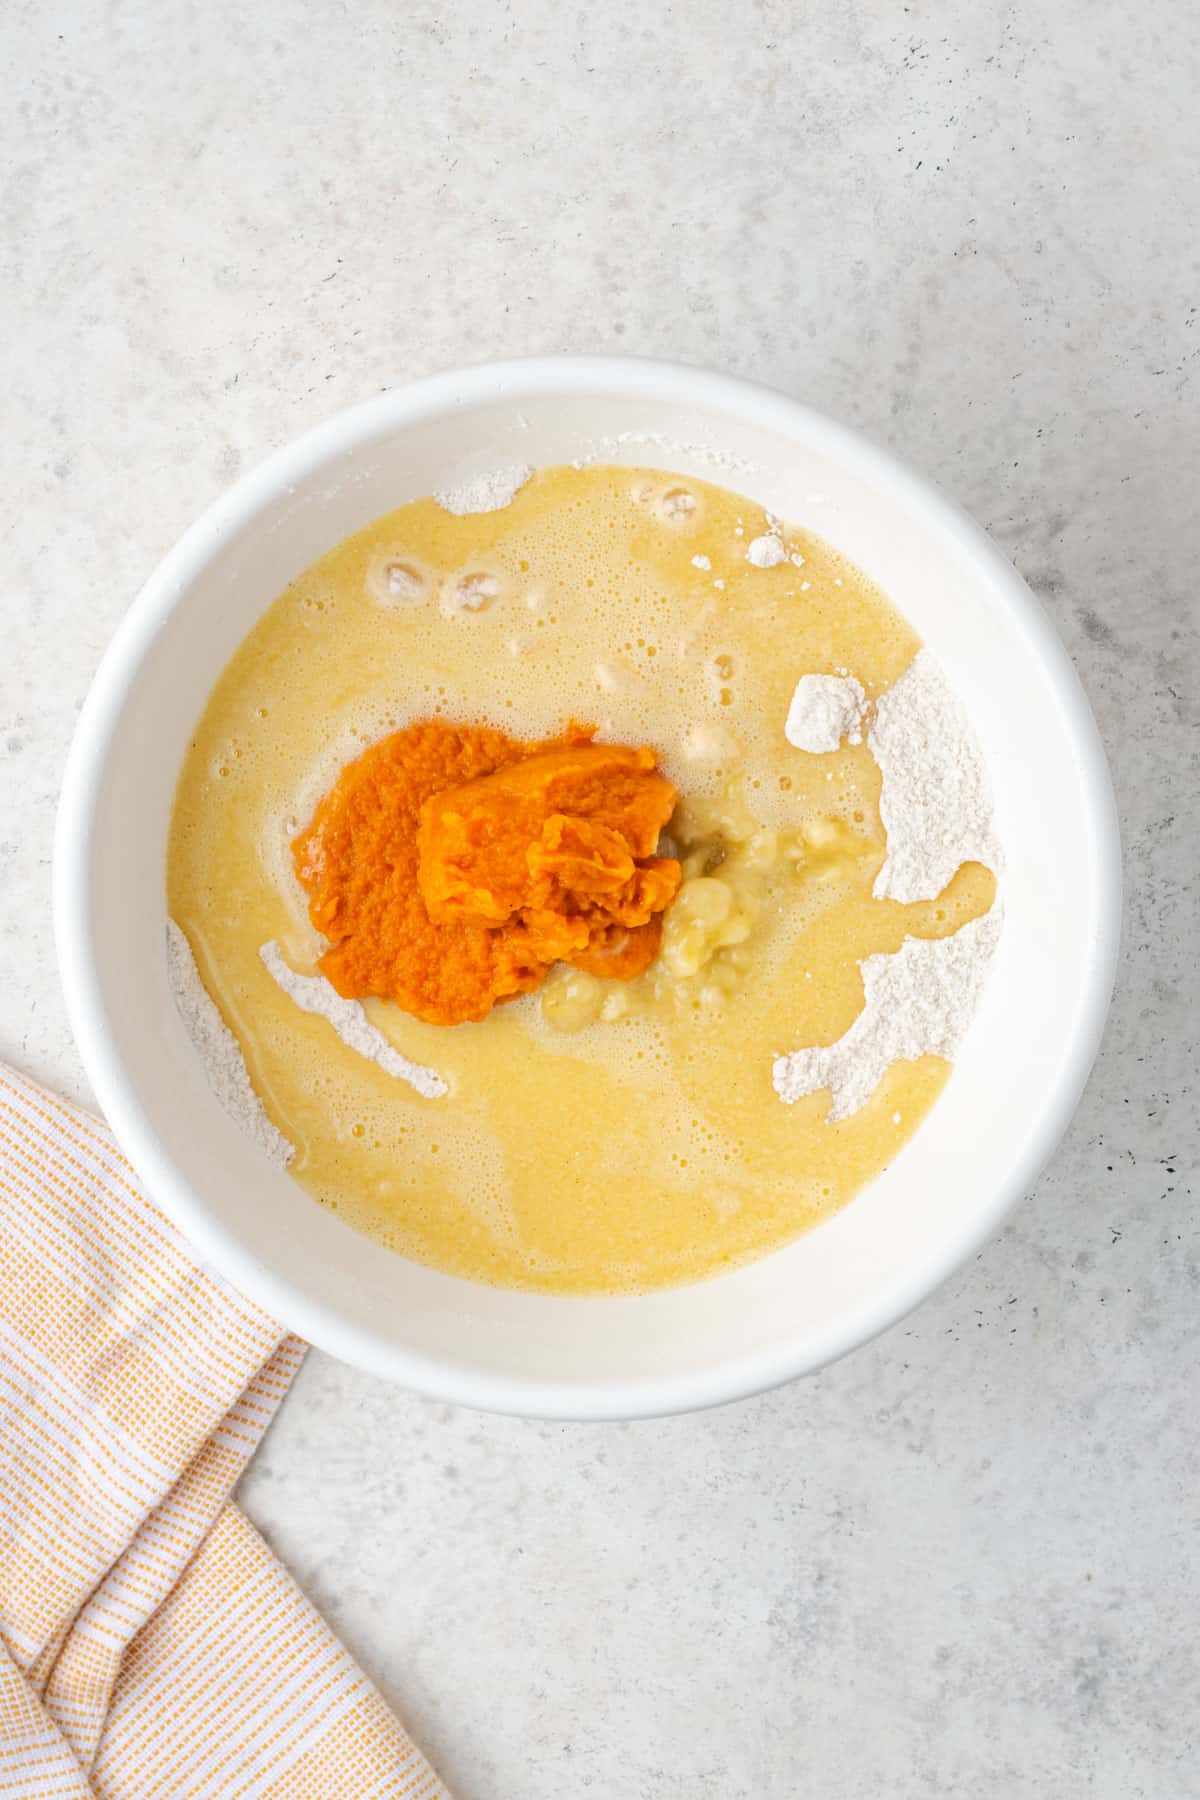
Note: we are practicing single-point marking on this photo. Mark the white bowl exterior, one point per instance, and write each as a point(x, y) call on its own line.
point(1019, 1072)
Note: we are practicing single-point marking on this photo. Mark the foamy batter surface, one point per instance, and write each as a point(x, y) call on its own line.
point(640, 1150)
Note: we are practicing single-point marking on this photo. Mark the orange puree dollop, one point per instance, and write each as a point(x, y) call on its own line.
point(449, 866)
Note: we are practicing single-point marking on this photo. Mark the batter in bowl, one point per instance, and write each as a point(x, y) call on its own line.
point(589, 1127)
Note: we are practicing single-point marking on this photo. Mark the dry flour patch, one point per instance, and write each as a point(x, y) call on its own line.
point(220, 1051)
point(824, 710)
point(313, 994)
point(918, 1002)
point(936, 809)
point(490, 492)
point(935, 803)
point(766, 552)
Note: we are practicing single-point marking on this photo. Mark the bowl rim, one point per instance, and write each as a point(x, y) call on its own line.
point(87, 759)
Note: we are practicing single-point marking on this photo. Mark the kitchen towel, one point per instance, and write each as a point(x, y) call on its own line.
point(151, 1646)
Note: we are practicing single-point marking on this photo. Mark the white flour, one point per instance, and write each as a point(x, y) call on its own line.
point(312, 993)
point(490, 492)
point(394, 582)
point(766, 552)
point(824, 710)
point(936, 810)
point(918, 1002)
point(220, 1051)
point(935, 804)
point(613, 448)
point(469, 593)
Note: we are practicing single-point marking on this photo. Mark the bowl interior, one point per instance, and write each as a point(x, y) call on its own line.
point(1019, 1071)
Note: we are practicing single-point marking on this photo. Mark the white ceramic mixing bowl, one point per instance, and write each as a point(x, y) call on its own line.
point(1019, 1072)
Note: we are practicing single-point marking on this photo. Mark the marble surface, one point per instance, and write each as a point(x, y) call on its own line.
point(965, 1560)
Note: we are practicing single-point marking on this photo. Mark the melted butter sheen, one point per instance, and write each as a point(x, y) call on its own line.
point(633, 1153)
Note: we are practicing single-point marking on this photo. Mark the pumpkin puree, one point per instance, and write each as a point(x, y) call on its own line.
point(449, 866)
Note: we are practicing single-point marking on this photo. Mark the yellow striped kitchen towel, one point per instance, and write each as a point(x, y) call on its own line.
point(151, 1646)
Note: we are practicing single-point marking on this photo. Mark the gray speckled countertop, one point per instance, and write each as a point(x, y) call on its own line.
point(965, 1561)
